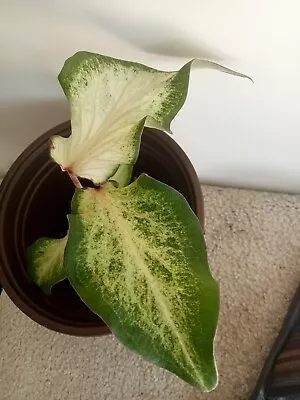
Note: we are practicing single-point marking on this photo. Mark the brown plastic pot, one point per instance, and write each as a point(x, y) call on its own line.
point(35, 198)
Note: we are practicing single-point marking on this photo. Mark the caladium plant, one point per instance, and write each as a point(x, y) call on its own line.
point(135, 252)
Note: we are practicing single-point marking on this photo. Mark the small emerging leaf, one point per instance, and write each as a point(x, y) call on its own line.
point(111, 101)
point(122, 176)
point(137, 257)
point(46, 262)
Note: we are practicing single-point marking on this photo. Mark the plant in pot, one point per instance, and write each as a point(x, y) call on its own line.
point(124, 230)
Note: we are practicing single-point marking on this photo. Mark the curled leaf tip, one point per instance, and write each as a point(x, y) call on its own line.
point(202, 63)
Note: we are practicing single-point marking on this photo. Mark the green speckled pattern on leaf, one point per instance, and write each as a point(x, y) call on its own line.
point(137, 257)
point(111, 101)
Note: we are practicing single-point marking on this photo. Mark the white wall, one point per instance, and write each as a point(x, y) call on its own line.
point(235, 132)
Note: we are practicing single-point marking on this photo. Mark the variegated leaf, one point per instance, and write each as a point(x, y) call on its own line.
point(111, 100)
point(137, 258)
point(46, 262)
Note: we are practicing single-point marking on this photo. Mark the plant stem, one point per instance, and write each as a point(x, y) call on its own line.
point(75, 180)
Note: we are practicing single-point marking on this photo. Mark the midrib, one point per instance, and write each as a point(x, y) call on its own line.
point(127, 235)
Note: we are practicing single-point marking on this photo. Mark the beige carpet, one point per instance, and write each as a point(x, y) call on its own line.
point(254, 248)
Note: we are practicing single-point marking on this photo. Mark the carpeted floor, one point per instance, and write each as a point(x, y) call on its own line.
point(254, 247)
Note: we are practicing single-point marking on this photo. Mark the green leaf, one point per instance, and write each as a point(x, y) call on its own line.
point(46, 262)
point(111, 100)
point(123, 175)
point(137, 258)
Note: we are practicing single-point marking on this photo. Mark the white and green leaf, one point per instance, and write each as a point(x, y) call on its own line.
point(137, 258)
point(122, 176)
point(111, 100)
point(46, 262)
